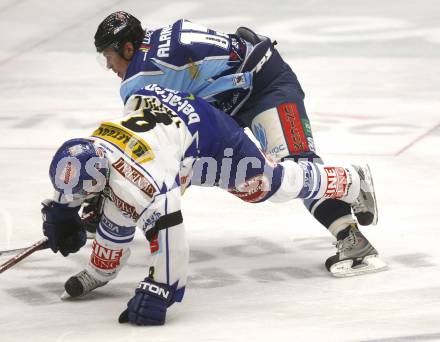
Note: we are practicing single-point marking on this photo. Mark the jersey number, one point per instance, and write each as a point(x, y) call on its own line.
point(193, 33)
point(149, 117)
point(147, 120)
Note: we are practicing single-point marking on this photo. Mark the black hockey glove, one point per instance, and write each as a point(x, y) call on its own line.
point(63, 228)
point(149, 304)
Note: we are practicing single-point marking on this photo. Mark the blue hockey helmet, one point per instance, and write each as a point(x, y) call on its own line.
point(79, 168)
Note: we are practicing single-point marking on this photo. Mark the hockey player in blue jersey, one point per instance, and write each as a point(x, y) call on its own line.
point(243, 75)
point(140, 163)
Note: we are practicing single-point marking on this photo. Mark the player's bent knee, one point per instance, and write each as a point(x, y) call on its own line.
point(291, 183)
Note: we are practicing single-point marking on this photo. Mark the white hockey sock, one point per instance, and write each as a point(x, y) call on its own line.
point(291, 184)
point(338, 182)
point(309, 180)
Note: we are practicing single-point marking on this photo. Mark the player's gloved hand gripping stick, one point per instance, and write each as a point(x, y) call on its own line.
point(44, 243)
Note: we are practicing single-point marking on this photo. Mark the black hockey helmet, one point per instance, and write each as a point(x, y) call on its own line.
point(116, 30)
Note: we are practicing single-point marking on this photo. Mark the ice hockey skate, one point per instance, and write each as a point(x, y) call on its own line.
point(80, 284)
point(355, 256)
point(365, 207)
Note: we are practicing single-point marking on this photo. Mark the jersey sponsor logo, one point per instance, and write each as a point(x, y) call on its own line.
point(293, 129)
point(153, 288)
point(134, 176)
point(165, 36)
point(149, 224)
point(147, 38)
point(336, 182)
point(126, 208)
point(260, 134)
point(253, 190)
point(110, 226)
point(114, 229)
point(130, 143)
point(277, 149)
point(151, 220)
point(105, 258)
point(175, 101)
point(308, 131)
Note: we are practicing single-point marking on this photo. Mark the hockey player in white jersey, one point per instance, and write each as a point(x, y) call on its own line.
point(142, 163)
point(243, 75)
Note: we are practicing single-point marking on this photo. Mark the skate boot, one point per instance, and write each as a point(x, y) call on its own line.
point(81, 284)
point(355, 255)
point(365, 206)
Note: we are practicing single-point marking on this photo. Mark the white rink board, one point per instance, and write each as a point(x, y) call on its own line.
point(370, 73)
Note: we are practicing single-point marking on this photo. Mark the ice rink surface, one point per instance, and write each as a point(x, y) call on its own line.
point(371, 73)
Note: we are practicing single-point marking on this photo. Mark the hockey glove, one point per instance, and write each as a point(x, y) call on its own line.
point(149, 304)
point(93, 205)
point(63, 228)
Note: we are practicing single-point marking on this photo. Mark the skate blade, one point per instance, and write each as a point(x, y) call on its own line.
point(370, 264)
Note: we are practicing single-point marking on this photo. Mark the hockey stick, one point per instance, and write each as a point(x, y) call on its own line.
point(25, 252)
point(12, 251)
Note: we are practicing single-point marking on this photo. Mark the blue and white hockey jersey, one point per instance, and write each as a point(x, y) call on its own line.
point(190, 58)
point(166, 137)
point(152, 152)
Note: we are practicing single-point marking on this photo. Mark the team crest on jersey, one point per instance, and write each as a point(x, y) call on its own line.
point(132, 145)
